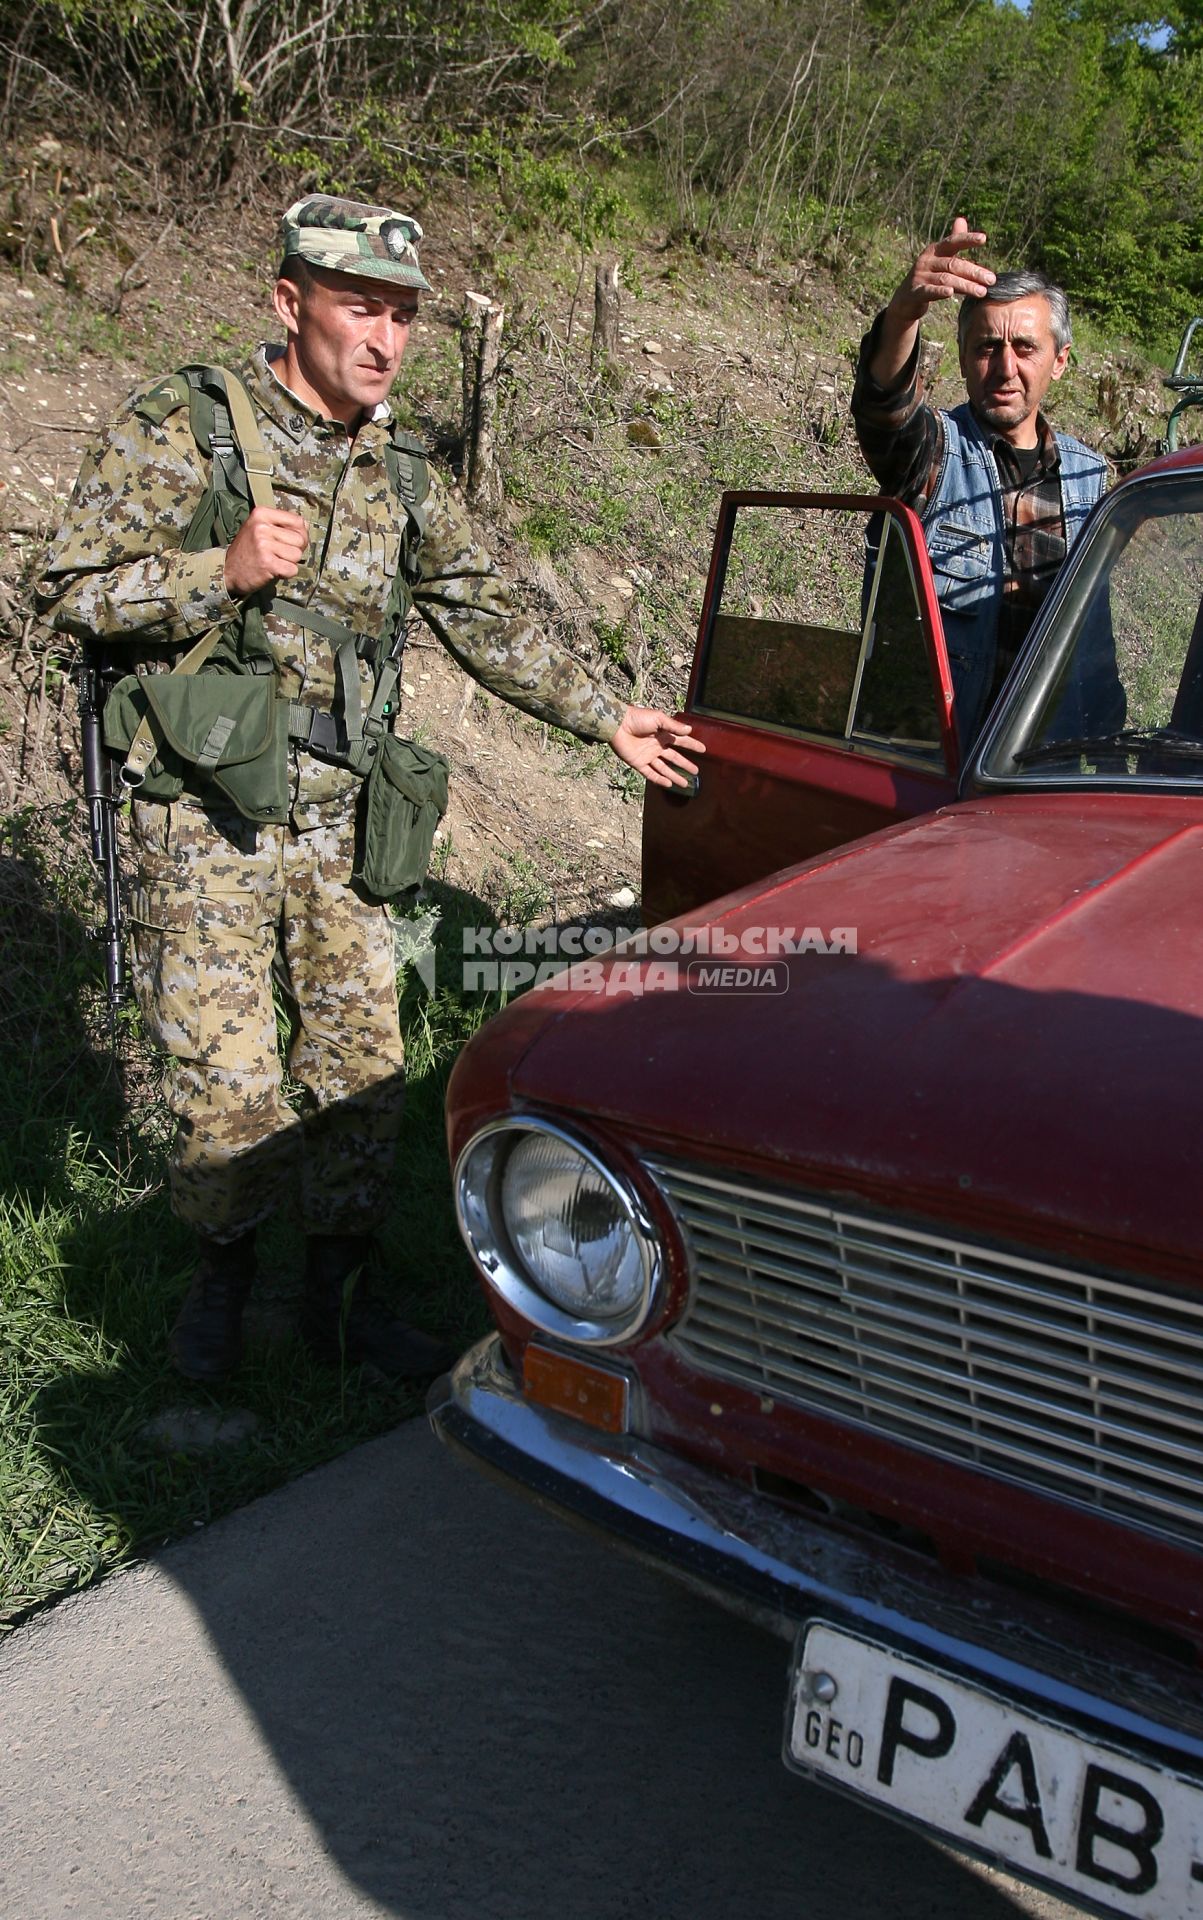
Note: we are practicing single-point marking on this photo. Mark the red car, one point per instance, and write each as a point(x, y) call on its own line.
point(843, 1232)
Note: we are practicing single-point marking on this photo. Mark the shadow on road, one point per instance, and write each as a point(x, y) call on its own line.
point(486, 1713)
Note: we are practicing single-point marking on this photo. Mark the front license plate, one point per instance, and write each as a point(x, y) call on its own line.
point(1043, 1799)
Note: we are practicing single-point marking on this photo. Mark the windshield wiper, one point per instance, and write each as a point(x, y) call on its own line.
point(1183, 746)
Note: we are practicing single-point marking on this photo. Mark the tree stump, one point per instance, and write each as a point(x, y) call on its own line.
point(482, 323)
point(605, 313)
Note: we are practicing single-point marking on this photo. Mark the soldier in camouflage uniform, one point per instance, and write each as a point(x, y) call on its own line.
point(217, 902)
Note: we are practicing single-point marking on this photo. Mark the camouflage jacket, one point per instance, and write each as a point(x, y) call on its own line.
point(116, 571)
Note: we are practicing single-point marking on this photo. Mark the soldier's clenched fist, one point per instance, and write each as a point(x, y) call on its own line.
point(269, 545)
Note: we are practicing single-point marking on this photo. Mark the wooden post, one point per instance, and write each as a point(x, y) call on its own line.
point(605, 313)
point(482, 323)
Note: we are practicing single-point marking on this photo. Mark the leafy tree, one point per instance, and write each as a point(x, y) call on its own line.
point(1073, 132)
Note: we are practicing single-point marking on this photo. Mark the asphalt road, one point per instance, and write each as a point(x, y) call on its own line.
point(393, 1688)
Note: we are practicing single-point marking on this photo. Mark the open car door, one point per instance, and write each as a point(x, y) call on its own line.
point(820, 687)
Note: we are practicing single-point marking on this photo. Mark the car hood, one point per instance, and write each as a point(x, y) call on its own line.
point(1017, 1041)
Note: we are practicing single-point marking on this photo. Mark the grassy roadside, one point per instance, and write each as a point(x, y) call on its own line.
point(92, 1264)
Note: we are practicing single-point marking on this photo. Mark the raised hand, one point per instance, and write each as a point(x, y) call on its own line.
point(940, 273)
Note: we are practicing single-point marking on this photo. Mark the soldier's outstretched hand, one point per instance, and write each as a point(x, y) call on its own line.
point(269, 545)
point(942, 273)
point(647, 740)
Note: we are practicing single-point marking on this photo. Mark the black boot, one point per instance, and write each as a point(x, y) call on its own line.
point(342, 1321)
point(206, 1340)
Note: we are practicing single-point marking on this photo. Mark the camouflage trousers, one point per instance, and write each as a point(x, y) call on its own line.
point(218, 909)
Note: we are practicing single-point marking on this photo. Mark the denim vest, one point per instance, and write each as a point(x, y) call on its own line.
point(963, 525)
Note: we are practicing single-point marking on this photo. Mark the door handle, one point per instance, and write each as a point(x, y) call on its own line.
point(689, 791)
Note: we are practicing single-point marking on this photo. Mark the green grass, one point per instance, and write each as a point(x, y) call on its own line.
point(92, 1265)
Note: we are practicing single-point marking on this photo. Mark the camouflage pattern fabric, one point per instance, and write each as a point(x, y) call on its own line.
point(115, 571)
point(344, 236)
point(215, 902)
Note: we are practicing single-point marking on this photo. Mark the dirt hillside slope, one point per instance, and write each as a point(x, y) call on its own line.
point(727, 376)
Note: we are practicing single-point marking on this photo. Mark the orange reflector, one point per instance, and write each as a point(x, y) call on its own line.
point(568, 1385)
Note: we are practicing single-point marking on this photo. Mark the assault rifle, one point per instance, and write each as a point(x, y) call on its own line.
point(102, 820)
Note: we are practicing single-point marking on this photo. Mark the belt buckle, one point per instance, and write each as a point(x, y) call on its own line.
point(323, 741)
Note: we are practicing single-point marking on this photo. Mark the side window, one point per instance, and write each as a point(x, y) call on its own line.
point(1156, 585)
point(896, 704)
point(816, 629)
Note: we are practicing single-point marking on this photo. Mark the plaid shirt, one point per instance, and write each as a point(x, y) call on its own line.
point(902, 439)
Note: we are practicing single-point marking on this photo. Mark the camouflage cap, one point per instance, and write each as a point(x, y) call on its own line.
point(347, 237)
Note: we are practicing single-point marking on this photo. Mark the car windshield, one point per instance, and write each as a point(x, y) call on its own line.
point(1112, 692)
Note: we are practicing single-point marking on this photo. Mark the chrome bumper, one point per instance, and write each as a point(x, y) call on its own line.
point(780, 1568)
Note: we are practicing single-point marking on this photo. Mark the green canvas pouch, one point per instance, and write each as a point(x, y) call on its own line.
point(404, 798)
point(227, 731)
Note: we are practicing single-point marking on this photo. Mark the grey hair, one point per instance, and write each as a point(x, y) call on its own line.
point(1020, 286)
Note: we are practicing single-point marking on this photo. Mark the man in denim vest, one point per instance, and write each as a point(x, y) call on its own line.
point(1001, 495)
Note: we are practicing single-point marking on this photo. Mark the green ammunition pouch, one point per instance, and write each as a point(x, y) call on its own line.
point(227, 731)
point(230, 733)
point(404, 798)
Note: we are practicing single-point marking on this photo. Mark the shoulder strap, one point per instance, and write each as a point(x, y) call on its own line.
point(221, 416)
point(219, 407)
point(247, 441)
point(409, 475)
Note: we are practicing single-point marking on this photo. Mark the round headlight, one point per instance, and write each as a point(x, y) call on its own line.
point(563, 1239)
point(571, 1228)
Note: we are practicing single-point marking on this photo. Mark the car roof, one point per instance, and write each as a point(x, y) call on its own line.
point(1185, 460)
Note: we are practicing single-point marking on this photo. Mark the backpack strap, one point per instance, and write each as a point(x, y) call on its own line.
point(247, 442)
point(221, 415)
point(408, 474)
point(409, 477)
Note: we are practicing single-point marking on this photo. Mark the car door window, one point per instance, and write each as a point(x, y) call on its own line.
point(1156, 587)
point(1115, 692)
point(816, 628)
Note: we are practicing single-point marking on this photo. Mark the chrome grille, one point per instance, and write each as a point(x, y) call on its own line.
point(1084, 1387)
